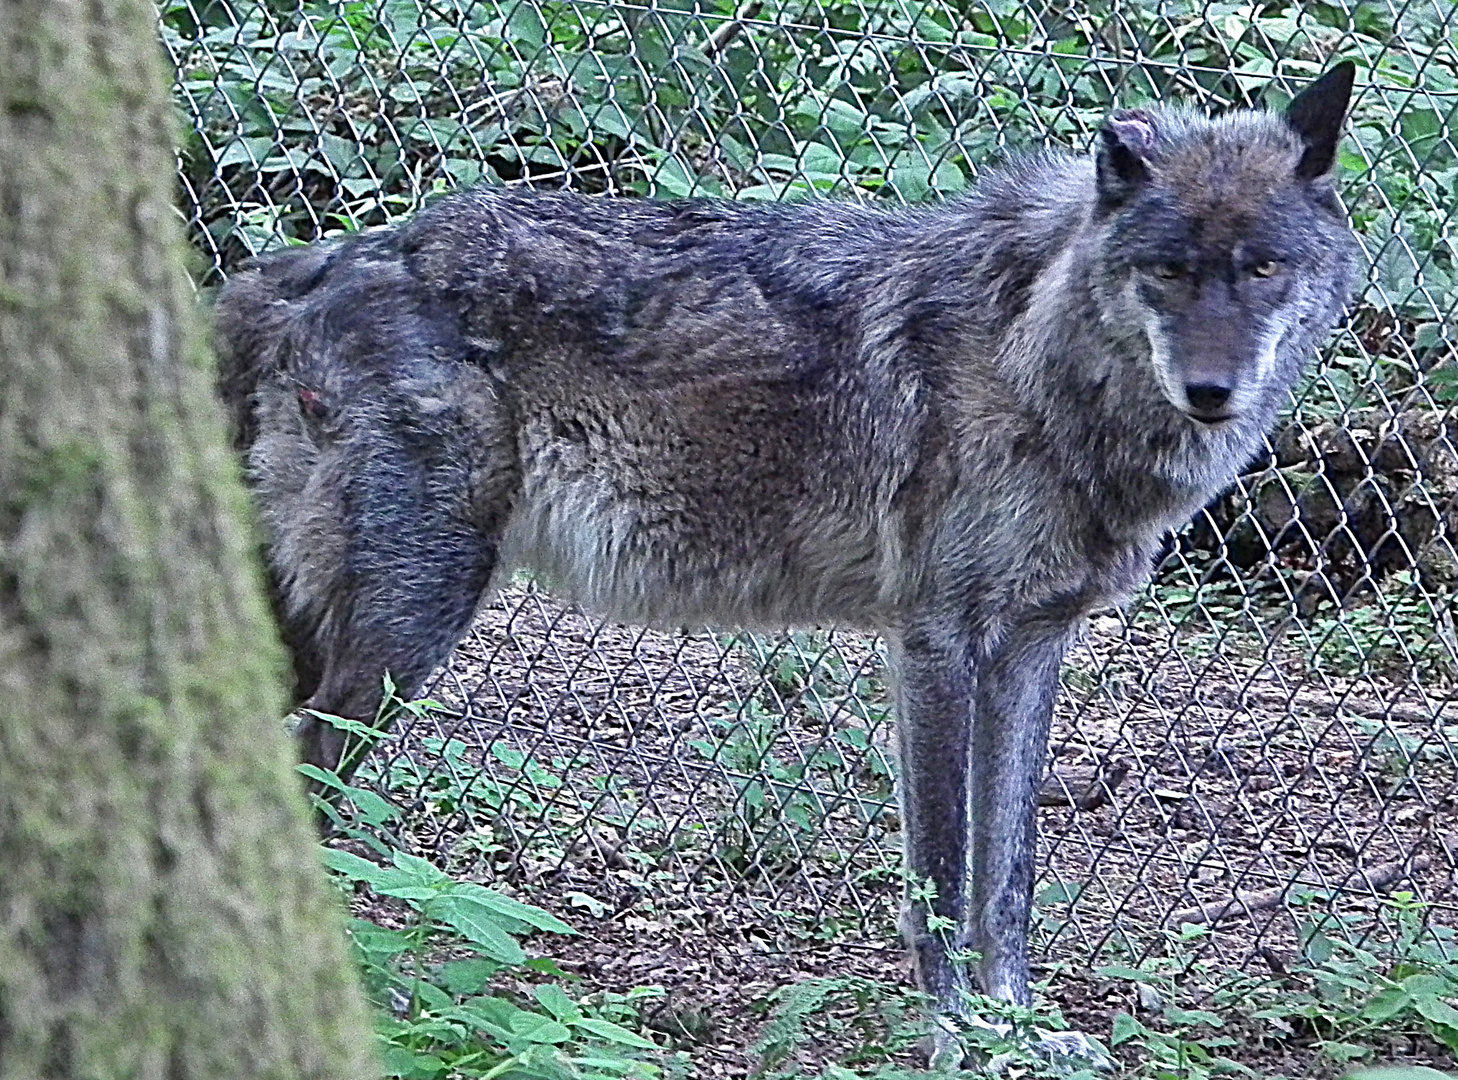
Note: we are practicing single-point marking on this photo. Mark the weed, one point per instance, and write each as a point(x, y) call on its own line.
point(1346, 1001)
point(779, 803)
point(872, 1023)
point(1398, 983)
point(1177, 1039)
point(1396, 630)
point(875, 1030)
point(458, 994)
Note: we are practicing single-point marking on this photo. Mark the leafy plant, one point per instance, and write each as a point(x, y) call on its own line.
point(872, 1023)
point(1398, 628)
point(782, 793)
point(1343, 1000)
point(1354, 994)
point(450, 986)
point(336, 115)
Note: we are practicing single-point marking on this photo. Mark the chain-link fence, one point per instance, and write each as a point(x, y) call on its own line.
point(1260, 750)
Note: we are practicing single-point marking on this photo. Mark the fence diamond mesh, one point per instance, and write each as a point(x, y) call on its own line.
point(1257, 751)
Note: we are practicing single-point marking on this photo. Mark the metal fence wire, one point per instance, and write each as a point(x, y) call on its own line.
point(1262, 749)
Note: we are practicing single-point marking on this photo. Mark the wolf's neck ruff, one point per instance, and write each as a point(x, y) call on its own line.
point(964, 426)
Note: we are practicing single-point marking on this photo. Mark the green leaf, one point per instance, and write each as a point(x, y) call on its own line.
point(511, 909)
point(556, 1002)
point(818, 159)
point(604, 1029)
point(1126, 1028)
point(421, 870)
point(246, 151)
point(847, 122)
point(508, 756)
point(1316, 945)
point(378, 947)
point(1192, 1016)
point(1058, 893)
point(398, 1061)
point(1425, 984)
point(1123, 971)
point(374, 809)
point(1448, 1036)
point(353, 867)
point(527, 27)
point(467, 976)
point(477, 925)
point(357, 728)
point(547, 966)
point(406, 892)
point(672, 177)
point(320, 776)
point(494, 1015)
point(432, 997)
point(1436, 1011)
point(539, 1029)
point(1386, 1005)
point(1342, 1051)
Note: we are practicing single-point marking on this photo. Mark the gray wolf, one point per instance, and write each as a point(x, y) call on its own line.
point(963, 426)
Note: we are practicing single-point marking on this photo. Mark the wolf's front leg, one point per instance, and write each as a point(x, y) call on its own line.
point(973, 728)
point(1013, 707)
point(931, 667)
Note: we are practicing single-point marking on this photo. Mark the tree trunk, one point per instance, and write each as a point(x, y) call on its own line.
point(163, 913)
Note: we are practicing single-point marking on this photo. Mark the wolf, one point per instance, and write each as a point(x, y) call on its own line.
point(963, 427)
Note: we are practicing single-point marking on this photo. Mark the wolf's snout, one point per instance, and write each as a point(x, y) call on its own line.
point(1207, 401)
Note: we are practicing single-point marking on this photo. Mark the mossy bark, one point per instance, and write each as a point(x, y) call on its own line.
point(163, 913)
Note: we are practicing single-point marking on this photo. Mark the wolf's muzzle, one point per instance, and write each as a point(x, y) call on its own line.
point(1208, 401)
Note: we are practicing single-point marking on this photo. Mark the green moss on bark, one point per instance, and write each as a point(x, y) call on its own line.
point(162, 911)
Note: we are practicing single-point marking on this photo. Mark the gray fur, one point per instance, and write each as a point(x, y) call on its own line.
point(964, 427)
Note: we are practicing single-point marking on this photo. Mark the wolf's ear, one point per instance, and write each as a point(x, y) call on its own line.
point(1122, 161)
point(1316, 114)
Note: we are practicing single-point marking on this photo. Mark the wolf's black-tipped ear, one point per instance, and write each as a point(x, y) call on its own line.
point(1316, 114)
point(1122, 161)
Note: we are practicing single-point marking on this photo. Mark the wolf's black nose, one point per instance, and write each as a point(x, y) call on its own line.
point(1207, 398)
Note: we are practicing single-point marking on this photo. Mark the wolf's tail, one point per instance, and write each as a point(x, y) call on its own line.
point(251, 319)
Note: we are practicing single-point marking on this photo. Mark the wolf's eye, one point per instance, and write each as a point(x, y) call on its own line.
point(1169, 271)
point(1269, 268)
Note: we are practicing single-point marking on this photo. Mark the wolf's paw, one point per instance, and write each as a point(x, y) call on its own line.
point(943, 1046)
point(1072, 1051)
point(948, 1043)
point(992, 1047)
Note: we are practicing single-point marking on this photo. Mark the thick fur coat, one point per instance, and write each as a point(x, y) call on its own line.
point(964, 427)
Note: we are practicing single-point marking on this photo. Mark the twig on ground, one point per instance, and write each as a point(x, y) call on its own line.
point(1378, 877)
point(1085, 789)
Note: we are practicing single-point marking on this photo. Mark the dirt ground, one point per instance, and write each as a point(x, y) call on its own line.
point(714, 813)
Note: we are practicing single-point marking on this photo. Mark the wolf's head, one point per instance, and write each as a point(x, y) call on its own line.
point(1226, 245)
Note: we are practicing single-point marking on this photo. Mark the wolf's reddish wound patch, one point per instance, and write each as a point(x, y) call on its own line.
point(313, 404)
